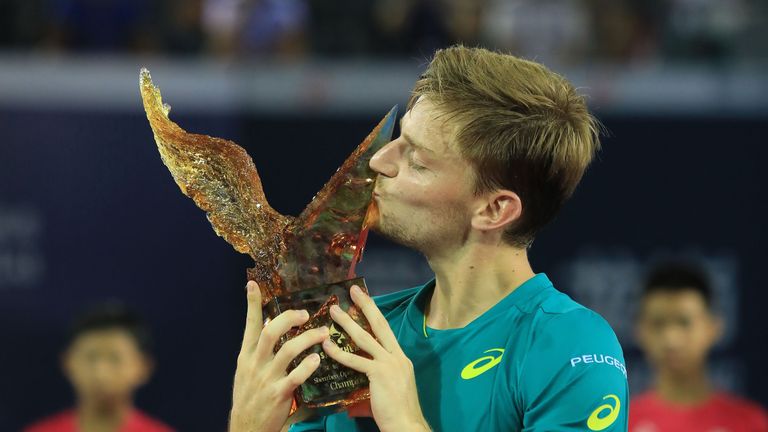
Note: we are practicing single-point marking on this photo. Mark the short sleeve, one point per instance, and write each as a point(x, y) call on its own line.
point(574, 376)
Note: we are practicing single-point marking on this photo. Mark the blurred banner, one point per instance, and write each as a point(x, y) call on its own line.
point(345, 86)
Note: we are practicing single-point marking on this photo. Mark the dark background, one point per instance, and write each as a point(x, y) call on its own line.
point(88, 212)
point(108, 222)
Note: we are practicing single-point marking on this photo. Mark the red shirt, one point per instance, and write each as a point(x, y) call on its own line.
point(720, 413)
point(66, 421)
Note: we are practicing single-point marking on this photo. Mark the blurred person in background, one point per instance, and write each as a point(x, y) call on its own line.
point(273, 28)
point(106, 359)
point(676, 329)
point(408, 27)
point(548, 31)
point(705, 30)
point(182, 31)
point(100, 26)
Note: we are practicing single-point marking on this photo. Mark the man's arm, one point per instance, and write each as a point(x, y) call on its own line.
point(574, 378)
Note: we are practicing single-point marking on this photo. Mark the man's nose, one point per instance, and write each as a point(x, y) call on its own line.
point(384, 161)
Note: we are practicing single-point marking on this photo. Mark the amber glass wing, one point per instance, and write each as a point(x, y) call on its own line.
point(319, 247)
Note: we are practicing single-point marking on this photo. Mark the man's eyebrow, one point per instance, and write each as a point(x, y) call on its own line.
point(412, 142)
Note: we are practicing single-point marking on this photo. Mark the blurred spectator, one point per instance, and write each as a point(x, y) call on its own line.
point(567, 32)
point(704, 29)
point(408, 27)
point(101, 25)
point(624, 30)
point(463, 19)
point(549, 31)
point(262, 27)
point(107, 358)
point(183, 31)
point(339, 28)
point(676, 329)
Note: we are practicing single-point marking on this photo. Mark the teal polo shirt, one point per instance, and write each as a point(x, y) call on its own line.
point(536, 361)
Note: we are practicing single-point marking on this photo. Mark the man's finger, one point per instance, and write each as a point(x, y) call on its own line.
point(354, 361)
point(301, 373)
point(376, 319)
point(277, 328)
point(362, 338)
point(253, 318)
point(296, 346)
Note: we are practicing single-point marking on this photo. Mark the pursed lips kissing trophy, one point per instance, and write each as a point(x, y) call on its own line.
point(305, 262)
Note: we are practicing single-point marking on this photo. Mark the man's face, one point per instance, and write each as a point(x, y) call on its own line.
point(105, 366)
point(676, 330)
point(424, 189)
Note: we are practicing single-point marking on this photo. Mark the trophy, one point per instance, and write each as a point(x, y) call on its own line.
point(305, 262)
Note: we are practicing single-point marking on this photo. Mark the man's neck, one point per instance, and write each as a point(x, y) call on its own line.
point(94, 417)
point(685, 389)
point(472, 280)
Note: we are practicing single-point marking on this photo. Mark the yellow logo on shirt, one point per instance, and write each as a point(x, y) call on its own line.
point(597, 423)
point(472, 370)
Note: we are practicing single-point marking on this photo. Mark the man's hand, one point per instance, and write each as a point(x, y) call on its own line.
point(394, 399)
point(263, 391)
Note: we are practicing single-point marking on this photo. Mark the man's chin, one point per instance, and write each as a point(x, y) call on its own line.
point(394, 234)
point(378, 227)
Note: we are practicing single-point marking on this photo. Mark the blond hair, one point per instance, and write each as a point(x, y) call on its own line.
point(522, 127)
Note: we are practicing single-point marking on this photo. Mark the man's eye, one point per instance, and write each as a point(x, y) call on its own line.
point(415, 166)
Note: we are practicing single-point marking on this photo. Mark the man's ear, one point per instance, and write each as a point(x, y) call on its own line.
point(497, 209)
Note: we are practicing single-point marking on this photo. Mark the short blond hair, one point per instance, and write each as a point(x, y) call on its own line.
point(522, 127)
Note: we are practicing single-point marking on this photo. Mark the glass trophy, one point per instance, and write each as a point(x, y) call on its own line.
point(304, 262)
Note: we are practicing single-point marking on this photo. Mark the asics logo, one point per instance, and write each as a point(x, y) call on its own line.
point(610, 414)
point(482, 365)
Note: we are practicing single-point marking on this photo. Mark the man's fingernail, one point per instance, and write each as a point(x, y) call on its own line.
point(324, 330)
point(250, 286)
point(304, 313)
point(356, 289)
point(314, 358)
point(335, 309)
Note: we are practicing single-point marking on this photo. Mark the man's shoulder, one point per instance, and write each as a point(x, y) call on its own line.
point(556, 313)
point(63, 421)
point(571, 369)
point(567, 332)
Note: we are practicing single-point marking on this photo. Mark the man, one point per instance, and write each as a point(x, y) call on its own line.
point(491, 146)
point(677, 329)
point(106, 360)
